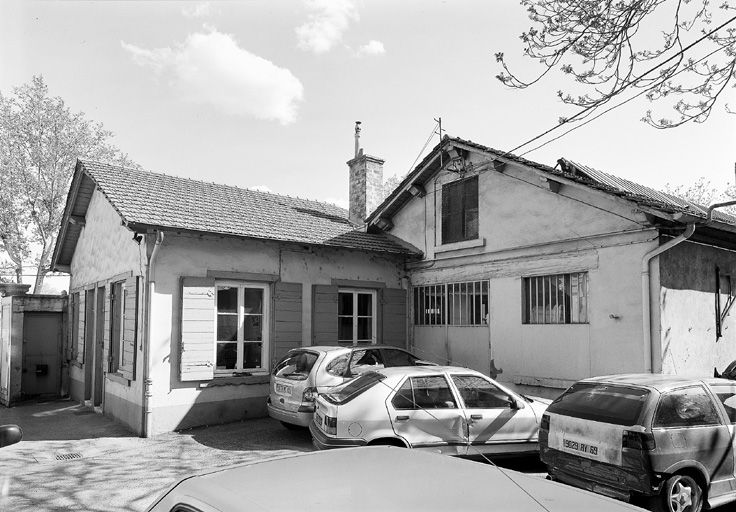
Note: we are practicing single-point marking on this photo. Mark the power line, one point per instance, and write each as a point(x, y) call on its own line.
point(632, 82)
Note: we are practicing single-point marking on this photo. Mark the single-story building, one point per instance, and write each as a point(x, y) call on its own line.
point(183, 293)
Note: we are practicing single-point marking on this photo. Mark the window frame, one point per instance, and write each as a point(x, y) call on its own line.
point(446, 212)
point(444, 297)
point(240, 341)
point(355, 316)
point(711, 400)
point(528, 301)
point(117, 325)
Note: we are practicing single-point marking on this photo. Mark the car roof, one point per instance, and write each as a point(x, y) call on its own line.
point(423, 370)
point(332, 348)
point(656, 381)
point(382, 478)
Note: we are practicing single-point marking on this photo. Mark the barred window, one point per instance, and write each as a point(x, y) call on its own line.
point(451, 304)
point(555, 299)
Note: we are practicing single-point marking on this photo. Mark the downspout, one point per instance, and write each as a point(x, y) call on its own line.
point(147, 382)
point(645, 291)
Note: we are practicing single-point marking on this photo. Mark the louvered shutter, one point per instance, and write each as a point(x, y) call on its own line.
point(393, 317)
point(287, 315)
point(324, 315)
point(197, 347)
point(130, 329)
point(81, 317)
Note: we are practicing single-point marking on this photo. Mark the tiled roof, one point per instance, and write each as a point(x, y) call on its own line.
point(159, 200)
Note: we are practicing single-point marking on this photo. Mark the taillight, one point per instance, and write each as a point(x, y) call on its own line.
point(638, 440)
point(544, 425)
point(309, 395)
point(331, 425)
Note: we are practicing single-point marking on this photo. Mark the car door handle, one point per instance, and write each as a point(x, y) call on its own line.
point(476, 416)
point(402, 418)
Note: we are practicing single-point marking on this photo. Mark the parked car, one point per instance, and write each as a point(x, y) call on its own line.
point(667, 438)
point(303, 372)
point(447, 409)
point(10, 434)
point(376, 478)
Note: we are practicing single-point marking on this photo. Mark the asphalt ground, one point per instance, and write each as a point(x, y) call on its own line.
point(72, 458)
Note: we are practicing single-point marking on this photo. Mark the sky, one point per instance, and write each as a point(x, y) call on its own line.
point(264, 94)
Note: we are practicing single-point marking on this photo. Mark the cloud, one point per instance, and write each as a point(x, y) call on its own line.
point(328, 20)
point(197, 9)
point(261, 188)
point(211, 69)
point(373, 47)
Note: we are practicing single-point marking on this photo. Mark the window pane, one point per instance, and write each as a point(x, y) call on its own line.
point(479, 393)
point(227, 356)
point(404, 397)
point(433, 393)
point(727, 396)
point(338, 366)
point(619, 405)
point(253, 300)
point(253, 328)
point(365, 304)
point(685, 408)
point(345, 328)
point(471, 224)
point(227, 327)
point(296, 365)
point(392, 357)
point(345, 304)
point(227, 299)
point(252, 355)
point(365, 328)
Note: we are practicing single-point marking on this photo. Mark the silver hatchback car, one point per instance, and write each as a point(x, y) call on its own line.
point(304, 372)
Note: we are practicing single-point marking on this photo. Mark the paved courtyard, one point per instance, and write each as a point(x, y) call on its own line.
point(74, 459)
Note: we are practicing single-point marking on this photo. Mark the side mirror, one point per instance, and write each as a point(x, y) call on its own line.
point(514, 404)
point(10, 434)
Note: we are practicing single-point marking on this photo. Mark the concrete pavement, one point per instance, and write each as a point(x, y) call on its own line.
point(72, 458)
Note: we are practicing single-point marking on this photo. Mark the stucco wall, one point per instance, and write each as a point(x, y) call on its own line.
point(687, 310)
point(177, 404)
point(105, 250)
point(525, 230)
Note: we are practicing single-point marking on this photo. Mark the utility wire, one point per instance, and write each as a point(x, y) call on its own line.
point(630, 83)
point(591, 119)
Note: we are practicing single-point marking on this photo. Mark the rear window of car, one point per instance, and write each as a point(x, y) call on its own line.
point(395, 357)
point(619, 405)
point(296, 365)
point(355, 388)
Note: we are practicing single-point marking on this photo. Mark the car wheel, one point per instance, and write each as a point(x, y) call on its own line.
point(681, 493)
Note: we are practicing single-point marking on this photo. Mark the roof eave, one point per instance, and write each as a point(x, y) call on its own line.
point(70, 200)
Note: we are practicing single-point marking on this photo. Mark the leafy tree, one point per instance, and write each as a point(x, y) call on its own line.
point(609, 46)
point(40, 141)
point(703, 193)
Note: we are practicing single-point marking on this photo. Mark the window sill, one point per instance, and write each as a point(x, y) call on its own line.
point(249, 380)
point(116, 377)
point(457, 246)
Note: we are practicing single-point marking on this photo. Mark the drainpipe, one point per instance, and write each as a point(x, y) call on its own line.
point(147, 382)
point(645, 292)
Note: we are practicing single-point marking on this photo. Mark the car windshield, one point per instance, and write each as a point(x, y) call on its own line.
point(395, 357)
point(355, 388)
point(619, 405)
point(295, 365)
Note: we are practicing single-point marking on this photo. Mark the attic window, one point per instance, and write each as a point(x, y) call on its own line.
point(460, 210)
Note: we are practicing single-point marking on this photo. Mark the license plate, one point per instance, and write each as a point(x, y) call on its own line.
point(580, 447)
point(282, 389)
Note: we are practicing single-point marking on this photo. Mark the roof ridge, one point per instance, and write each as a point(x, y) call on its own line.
point(174, 176)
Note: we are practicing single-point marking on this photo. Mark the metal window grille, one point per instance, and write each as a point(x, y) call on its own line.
point(464, 303)
point(555, 299)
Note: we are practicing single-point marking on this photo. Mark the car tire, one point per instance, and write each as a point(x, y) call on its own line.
point(291, 426)
point(681, 493)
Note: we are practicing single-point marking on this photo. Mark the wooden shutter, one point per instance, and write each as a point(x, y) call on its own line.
point(452, 212)
point(74, 326)
point(130, 329)
point(81, 317)
point(197, 347)
point(393, 317)
point(287, 315)
point(324, 315)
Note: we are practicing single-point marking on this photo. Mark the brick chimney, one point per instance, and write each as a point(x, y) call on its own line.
point(366, 182)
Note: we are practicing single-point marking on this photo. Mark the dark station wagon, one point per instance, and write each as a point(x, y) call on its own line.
point(667, 438)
